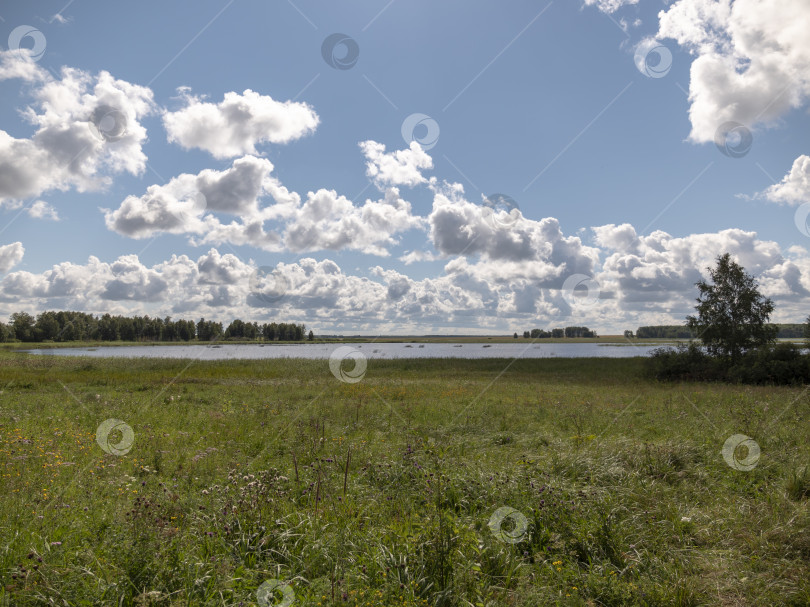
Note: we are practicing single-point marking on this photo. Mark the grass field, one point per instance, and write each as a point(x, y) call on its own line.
point(391, 490)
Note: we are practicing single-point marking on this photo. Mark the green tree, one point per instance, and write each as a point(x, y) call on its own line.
point(23, 325)
point(46, 327)
point(311, 336)
point(107, 328)
point(126, 329)
point(205, 329)
point(235, 329)
point(270, 331)
point(732, 315)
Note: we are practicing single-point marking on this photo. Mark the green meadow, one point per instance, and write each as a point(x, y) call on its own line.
point(427, 482)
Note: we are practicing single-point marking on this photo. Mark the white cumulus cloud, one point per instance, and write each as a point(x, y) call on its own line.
point(400, 167)
point(330, 221)
point(247, 205)
point(86, 129)
point(517, 245)
point(42, 210)
point(237, 124)
point(185, 205)
point(794, 187)
point(752, 59)
point(659, 270)
point(641, 280)
point(609, 6)
point(10, 255)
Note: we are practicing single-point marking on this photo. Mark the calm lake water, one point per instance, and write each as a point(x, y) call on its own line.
point(369, 350)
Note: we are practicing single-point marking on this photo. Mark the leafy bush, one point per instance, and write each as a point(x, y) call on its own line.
point(685, 362)
point(783, 364)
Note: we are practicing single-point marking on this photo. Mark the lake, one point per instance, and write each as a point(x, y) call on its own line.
point(370, 350)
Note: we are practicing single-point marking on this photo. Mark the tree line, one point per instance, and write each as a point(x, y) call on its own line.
point(79, 326)
point(784, 330)
point(560, 333)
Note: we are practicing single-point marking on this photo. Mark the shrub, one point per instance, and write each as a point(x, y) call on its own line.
point(783, 364)
point(685, 362)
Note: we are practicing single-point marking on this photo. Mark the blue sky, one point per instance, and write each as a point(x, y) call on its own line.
point(540, 101)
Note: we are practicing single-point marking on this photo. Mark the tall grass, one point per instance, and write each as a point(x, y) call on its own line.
point(382, 492)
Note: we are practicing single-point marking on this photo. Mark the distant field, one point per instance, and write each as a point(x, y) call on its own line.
point(391, 490)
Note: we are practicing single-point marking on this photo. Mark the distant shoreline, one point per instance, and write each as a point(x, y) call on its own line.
point(607, 339)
